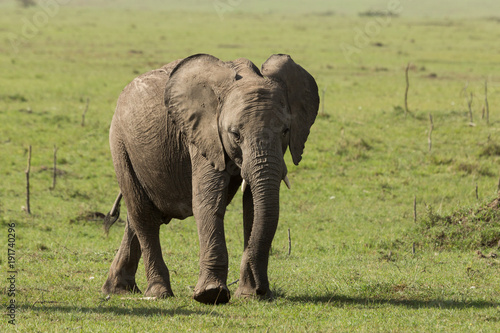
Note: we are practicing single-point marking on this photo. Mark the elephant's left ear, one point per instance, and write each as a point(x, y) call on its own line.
point(303, 98)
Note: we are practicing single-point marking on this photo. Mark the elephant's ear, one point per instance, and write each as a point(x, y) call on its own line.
point(303, 98)
point(192, 98)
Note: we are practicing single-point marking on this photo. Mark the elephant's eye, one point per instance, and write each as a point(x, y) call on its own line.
point(235, 134)
point(285, 131)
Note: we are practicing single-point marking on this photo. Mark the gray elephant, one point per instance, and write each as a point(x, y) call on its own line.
point(183, 139)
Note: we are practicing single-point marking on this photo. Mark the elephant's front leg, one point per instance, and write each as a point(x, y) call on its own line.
point(253, 270)
point(247, 285)
point(209, 205)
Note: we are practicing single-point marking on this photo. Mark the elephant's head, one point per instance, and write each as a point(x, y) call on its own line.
point(234, 113)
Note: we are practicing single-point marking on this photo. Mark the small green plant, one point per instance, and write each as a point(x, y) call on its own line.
point(490, 149)
point(14, 98)
point(378, 13)
point(353, 149)
point(26, 3)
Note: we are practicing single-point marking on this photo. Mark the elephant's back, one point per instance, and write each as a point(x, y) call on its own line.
point(140, 108)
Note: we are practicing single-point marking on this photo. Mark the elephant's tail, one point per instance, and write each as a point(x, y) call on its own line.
point(113, 214)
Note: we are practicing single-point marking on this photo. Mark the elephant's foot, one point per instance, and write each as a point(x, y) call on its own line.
point(257, 293)
point(116, 285)
point(159, 290)
point(212, 293)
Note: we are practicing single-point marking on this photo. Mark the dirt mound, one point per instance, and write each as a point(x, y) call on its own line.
point(464, 229)
point(88, 217)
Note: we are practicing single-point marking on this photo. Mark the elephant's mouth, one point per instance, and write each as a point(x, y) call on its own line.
point(285, 180)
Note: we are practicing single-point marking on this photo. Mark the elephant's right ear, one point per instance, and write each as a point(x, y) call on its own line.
point(192, 98)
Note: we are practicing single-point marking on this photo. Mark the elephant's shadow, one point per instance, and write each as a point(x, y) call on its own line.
point(340, 300)
point(139, 311)
point(326, 299)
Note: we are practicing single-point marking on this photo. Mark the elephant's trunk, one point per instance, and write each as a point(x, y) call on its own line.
point(264, 179)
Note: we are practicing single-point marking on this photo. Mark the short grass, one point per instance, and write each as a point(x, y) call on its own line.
point(350, 211)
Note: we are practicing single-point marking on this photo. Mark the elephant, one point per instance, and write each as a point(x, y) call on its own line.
point(183, 139)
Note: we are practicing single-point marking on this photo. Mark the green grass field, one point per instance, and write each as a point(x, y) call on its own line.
point(351, 208)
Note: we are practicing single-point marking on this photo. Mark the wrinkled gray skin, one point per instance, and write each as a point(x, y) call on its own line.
point(182, 139)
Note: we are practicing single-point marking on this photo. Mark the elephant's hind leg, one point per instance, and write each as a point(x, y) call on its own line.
point(145, 220)
point(121, 278)
point(141, 235)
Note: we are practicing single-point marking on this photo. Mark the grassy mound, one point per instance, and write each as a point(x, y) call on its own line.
point(464, 229)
